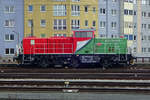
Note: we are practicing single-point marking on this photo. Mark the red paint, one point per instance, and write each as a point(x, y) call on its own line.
point(51, 45)
point(99, 44)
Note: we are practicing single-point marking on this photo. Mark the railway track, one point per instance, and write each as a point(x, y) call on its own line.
point(76, 85)
point(119, 76)
point(16, 78)
point(81, 70)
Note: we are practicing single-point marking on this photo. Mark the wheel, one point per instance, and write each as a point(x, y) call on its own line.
point(75, 63)
point(44, 63)
point(106, 64)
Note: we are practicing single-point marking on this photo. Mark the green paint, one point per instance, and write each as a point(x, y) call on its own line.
point(108, 46)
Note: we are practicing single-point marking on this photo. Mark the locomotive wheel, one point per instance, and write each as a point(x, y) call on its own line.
point(44, 63)
point(75, 63)
point(106, 64)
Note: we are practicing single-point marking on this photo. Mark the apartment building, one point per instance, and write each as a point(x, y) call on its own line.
point(45, 18)
point(126, 23)
point(11, 26)
point(109, 18)
point(116, 19)
point(142, 28)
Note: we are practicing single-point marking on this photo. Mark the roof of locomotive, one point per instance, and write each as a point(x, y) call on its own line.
point(53, 37)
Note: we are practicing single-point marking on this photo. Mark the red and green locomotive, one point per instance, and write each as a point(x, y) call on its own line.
point(81, 48)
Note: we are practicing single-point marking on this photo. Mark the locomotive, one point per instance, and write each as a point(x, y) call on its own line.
point(82, 48)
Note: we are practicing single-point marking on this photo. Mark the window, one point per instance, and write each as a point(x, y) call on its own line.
point(144, 26)
point(75, 0)
point(130, 1)
point(148, 49)
point(43, 35)
point(59, 24)
point(114, 0)
point(86, 8)
point(94, 23)
point(43, 23)
point(9, 9)
point(30, 22)
point(134, 49)
point(102, 11)
point(149, 13)
point(143, 49)
point(143, 1)
point(113, 25)
point(9, 23)
point(86, 22)
point(128, 25)
point(130, 37)
point(94, 9)
point(43, 8)
point(144, 14)
point(75, 24)
point(75, 10)
point(134, 37)
point(9, 51)
point(102, 24)
point(59, 10)
point(84, 34)
point(30, 8)
point(59, 35)
point(134, 12)
point(128, 12)
point(113, 12)
point(9, 37)
point(148, 26)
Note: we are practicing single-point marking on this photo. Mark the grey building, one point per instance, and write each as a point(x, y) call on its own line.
point(11, 26)
point(115, 20)
point(142, 28)
point(109, 18)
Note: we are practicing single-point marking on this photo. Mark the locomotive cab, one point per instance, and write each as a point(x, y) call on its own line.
point(86, 33)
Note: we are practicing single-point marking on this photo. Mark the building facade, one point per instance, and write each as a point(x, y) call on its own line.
point(131, 19)
point(142, 28)
point(11, 26)
point(45, 18)
point(116, 19)
point(126, 23)
point(109, 18)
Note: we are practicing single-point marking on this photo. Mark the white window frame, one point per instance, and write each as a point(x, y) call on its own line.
point(9, 9)
point(75, 24)
point(59, 10)
point(9, 23)
point(43, 24)
point(102, 24)
point(75, 10)
point(9, 37)
point(41, 8)
point(9, 51)
point(61, 24)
